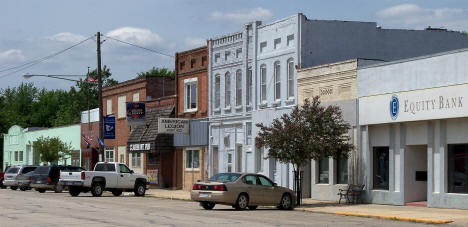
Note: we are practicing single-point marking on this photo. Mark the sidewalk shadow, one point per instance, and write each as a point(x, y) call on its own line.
point(325, 204)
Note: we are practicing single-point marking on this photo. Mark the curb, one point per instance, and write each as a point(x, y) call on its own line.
point(166, 197)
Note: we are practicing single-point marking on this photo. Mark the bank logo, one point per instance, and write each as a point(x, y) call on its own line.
point(394, 107)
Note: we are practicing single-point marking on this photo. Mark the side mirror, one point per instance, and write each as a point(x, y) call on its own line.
point(131, 171)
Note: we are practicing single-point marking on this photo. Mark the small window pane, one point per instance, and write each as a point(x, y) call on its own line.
point(227, 90)
point(290, 78)
point(250, 180)
point(323, 171)
point(265, 182)
point(238, 88)
point(263, 83)
point(193, 96)
point(342, 170)
point(196, 159)
point(188, 159)
point(277, 81)
point(217, 91)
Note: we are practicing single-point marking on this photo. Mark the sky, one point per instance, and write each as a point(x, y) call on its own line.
point(31, 30)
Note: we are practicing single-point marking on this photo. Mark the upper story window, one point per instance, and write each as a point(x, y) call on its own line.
point(182, 65)
point(203, 61)
point(217, 56)
point(238, 53)
point(227, 90)
point(277, 80)
point(239, 87)
point(217, 91)
point(109, 107)
point(263, 88)
point(290, 78)
point(122, 107)
point(263, 46)
point(192, 63)
point(190, 97)
point(249, 87)
point(136, 97)
point(277, 43)
point(290, 41)
point(227, 54)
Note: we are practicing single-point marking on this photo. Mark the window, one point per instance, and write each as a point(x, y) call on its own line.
point(248, 129)
point(122, 107)
point(191, 94)
point(249, 87)
point(250, 179)
point(226, 55)
point(259, 159)
point(225, 177)
point(323, 171)
point(263, 88)
point(217, 56)
point(217, 91)
point(458, 168)
point(290, 78)
point(192, 159)
point(124, 168)
point(277, 81)
point(263, 46)
point(136, 97)
point(290, 41)
point(380, 156)
point(229, 162)
point(239, 158)
point(109, 107)
point(215, 160)
point(239, 88)
point(16, 156)
point(192, 63)
point(182, 65)
point(342, 170)
point(203, 61)
point(277, 43)
point(109, 154)
point(105, 167)
point(227, 90)
point(154, 158)
point(122, 150)
point(136, 160)
point(238, 53)
point(265, 182)
point(20, 156)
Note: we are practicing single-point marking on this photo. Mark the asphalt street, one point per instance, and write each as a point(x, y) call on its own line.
point(31, 208)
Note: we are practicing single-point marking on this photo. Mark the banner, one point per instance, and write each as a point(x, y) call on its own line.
point(109, 127)
point(153, 176)
point(173, 125)
point(136, 113)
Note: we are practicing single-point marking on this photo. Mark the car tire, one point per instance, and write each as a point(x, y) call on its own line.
point(242, 201)
point(286, 202)
point(58, 188)
point(116, 192)
point(14, 188)
point(97, 189)
point(40, 190)
point(1, 184)
point(253, 207)
point(207, 205)
point(74, 191)
point(23, 188)
point(139, 189)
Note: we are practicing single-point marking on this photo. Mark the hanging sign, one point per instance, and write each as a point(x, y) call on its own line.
point(136, 113)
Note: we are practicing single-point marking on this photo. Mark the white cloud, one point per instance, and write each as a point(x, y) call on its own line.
point(195, 42)
point(11, 56)
point(243, 16)
point(139, 36)
point(66, 37)
point(416, 17)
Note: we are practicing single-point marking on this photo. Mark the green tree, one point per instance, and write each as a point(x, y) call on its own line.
point(310, 131)
point(52, 150)
point(157, 72)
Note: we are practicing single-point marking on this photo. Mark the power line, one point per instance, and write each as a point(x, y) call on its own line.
point(135, 45)
point(37, 61)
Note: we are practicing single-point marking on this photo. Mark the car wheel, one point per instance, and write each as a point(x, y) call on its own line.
point(1, 184)
point(14, 187)
point(286, 202)
point(253, 207)
point(242, 202)
point(207, 205)
point(97, 189)
point(40, 190)
point(74, 191)
point(116, 192)
point(23, 188)
point(58, 188)
point(140, 189)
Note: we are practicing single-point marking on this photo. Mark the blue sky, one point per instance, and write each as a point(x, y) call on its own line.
point(34, 29)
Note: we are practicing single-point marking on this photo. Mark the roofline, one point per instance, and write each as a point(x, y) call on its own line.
point(192, 50)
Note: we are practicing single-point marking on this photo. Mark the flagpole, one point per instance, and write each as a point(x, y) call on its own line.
point(87, 97)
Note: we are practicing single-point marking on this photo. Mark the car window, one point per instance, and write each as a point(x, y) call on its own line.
point(225, 177)
point(28, 169)
point(105, 168)
point(124, 169)
point(42, 170)
point(264, 181)
point(250, 179)
point(13, 170)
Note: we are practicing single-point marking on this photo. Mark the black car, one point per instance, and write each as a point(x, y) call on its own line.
point(47, 177)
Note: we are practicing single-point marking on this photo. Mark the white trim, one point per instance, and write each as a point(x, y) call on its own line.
point(199, 149)
point(189, 80)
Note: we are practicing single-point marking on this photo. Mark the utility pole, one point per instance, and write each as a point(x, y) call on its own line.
point(101, 118)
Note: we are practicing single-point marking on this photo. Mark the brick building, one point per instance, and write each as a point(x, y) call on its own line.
point(192, 103)
point(89, 134)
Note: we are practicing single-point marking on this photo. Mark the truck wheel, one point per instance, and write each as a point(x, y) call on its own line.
point(74, 191)
point(140, 189)
point(40, 190)
point(14, 187)
point(97, 189)
point(116, 192)
point(58, 188)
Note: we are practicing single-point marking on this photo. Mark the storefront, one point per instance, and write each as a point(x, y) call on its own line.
point(413, 118)
point(89, 135)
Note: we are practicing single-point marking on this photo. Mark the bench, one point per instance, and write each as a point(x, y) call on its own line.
point(352, 193)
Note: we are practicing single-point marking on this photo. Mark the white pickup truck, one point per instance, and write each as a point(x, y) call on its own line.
point(110, 176)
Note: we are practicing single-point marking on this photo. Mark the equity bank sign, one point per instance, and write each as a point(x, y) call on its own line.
point(434, 103)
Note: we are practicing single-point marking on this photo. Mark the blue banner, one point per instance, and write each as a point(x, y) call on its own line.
point(109, 127)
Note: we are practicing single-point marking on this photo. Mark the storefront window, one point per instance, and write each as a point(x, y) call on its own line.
point(192, 159)
point(136, 160)
point(154, 158)
point(458, 168)
point(323, 171)
point(109, 154)
point(381, 170)
point(342, 170)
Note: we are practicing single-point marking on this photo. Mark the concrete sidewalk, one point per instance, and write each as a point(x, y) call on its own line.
point(402, 213)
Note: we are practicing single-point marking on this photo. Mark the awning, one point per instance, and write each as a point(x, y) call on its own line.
point(145, 138)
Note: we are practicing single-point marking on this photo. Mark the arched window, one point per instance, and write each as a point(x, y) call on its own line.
point(227, 90)
point(263, 88)
point(290, 78)
point(217, 91)
point(239, 87)
point(277, 68)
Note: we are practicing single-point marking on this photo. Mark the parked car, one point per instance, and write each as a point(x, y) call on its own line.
point(2, 174)
point(14, 173)
point(110, 176)
point(24, 181)
point(47, 177)
point(242, 191)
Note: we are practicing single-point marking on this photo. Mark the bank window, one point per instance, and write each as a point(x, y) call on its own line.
point(217, 56)
point(380, 170)
point(229, 162)
point(290, 78)
point(259, 159)
point(109, 107)
point(109, 155)
point(238, 53)
point(248, 129)
point(458, 168)
point(192, 159)
point(227, 90)
point(239, 157)
point(277, 43)
point(136, 160)
point(324, 173)
point(249, 87)
point(122, 107)
point(277, 80)
point(263, 88)
point(227, 54)
point(290, 40)
point(239, 88)
point(263, 46)
point(190, 99)
point(217, 91)
point(342, 170)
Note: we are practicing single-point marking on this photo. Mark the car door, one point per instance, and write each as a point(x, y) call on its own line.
point(125, 178)
point(268, 193)
point(252, 188)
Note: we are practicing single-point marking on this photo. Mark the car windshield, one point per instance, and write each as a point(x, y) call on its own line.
point(225, 177)
point(12, 170)
point(42, 170)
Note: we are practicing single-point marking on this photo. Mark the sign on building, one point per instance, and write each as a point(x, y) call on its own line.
point(173, 125)
point(109, 127)
point(140, 147)
point(136, 113)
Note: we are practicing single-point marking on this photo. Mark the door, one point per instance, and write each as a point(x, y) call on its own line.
point(269, 195)
point(125, 178)
point(253, 189)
